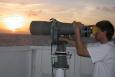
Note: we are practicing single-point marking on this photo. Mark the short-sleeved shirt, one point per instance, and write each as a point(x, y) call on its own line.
point(103, 57)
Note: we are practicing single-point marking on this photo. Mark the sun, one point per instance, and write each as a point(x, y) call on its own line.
point(13, 22)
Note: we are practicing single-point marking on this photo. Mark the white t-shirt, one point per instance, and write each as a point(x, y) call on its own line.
point(103, 57)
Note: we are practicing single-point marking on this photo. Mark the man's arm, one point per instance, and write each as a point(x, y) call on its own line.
point(79, 43)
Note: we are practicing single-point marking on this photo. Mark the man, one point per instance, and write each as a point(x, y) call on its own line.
point(102, 53)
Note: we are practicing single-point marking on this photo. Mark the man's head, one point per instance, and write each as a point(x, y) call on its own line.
point(106, 30)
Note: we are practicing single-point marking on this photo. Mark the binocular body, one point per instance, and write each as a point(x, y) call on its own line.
point(45, 28)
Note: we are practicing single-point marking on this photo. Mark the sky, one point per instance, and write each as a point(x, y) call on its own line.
point(86, 11)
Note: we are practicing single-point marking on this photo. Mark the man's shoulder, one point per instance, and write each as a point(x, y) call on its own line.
point(110, 43)
point(93, 44)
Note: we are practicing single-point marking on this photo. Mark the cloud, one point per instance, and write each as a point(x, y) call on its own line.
point(31, 13)
point(28, 10)
point(66, 12)
point(21, 1)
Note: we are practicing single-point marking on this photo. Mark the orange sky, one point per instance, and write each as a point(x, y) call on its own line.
point(64, 11)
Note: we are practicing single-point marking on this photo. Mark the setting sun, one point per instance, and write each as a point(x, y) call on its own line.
point(14, 22)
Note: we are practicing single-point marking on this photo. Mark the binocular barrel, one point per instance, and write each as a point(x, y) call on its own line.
point(44, 28)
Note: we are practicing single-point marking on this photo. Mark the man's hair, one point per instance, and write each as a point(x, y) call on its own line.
point(107, 26)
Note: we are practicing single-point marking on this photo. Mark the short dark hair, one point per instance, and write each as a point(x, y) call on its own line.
point(107, 26)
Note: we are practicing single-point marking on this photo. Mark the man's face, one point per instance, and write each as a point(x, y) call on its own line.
point(98, 34)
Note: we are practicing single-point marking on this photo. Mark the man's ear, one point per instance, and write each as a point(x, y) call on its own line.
point(105, 32)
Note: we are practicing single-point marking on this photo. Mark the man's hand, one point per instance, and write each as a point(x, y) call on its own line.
point(78, 24)
point(71, 42)
point(77, 27)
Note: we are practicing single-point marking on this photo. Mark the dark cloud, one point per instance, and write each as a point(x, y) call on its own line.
point(114, 8)
point(107, 9)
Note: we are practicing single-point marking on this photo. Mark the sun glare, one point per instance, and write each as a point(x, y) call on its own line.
point(14, 22)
